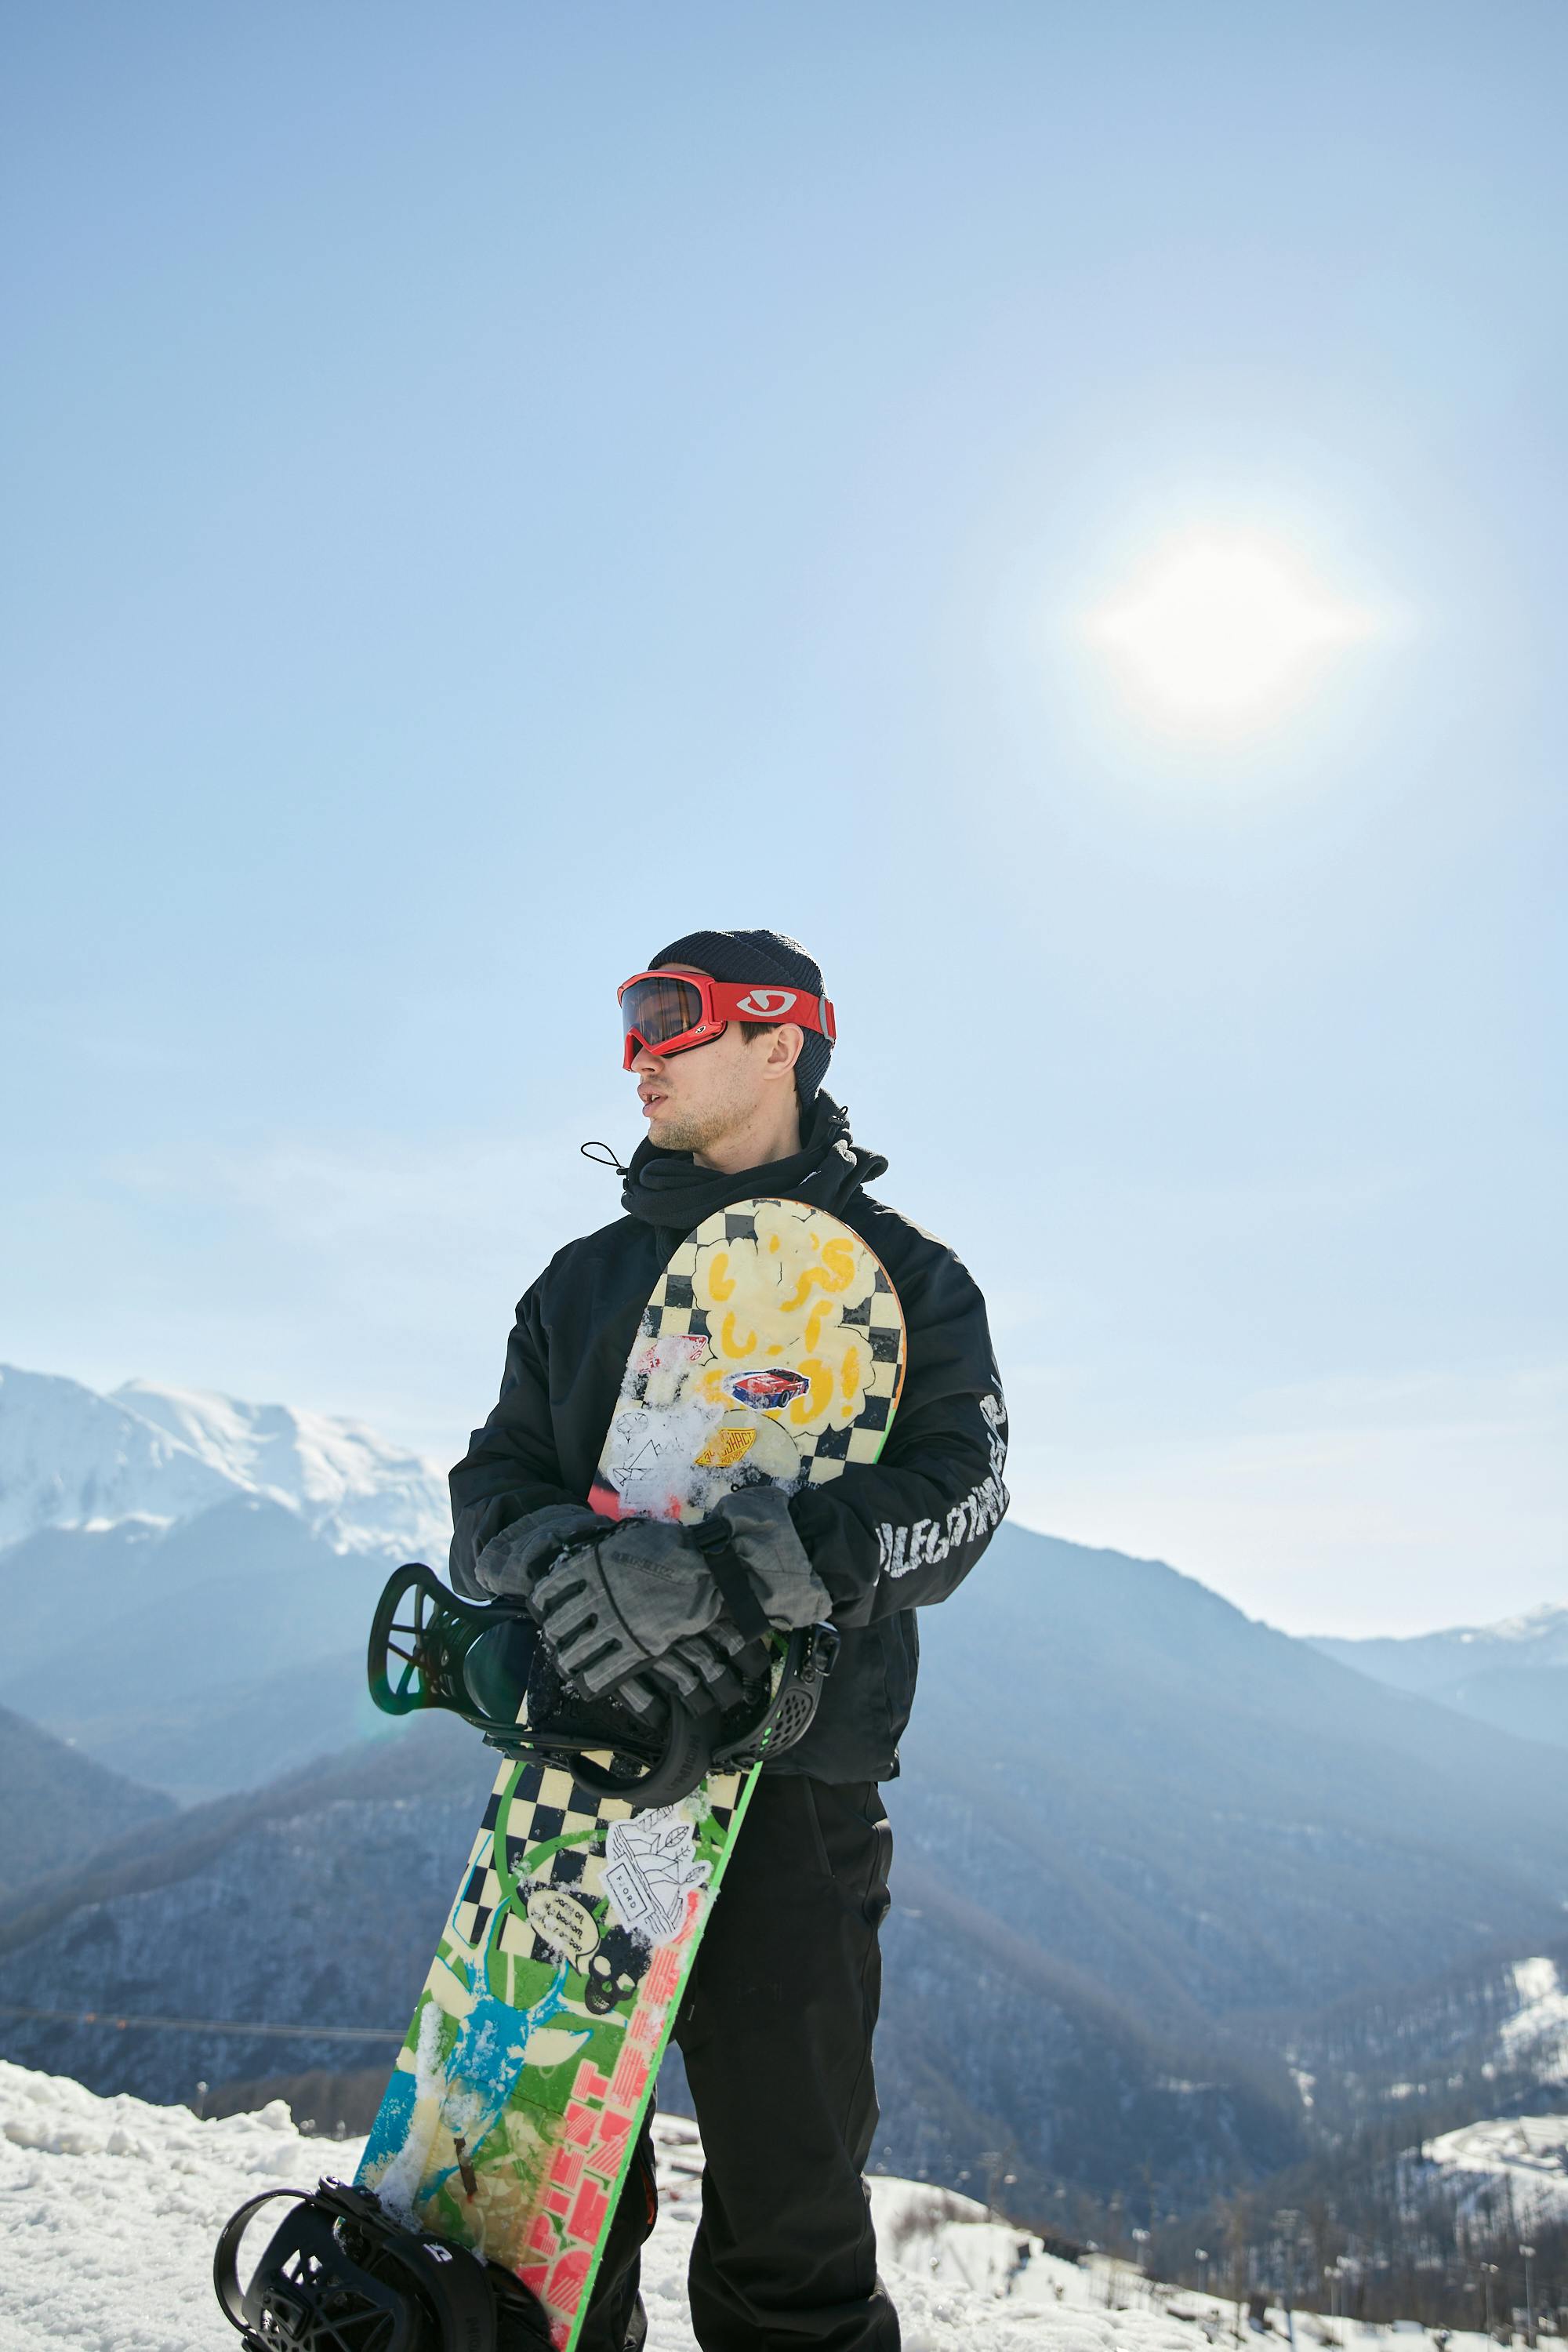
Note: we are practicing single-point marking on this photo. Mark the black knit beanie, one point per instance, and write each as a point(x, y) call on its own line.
point(739, 956)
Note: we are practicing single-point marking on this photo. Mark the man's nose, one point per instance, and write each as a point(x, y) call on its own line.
point(643, 1062)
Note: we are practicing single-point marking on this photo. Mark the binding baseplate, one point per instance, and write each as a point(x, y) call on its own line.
point(339, 2274)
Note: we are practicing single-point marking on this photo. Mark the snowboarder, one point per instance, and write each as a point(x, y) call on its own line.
point(728, 1033)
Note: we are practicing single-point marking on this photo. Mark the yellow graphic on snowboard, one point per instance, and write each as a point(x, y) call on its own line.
point(771, 1349)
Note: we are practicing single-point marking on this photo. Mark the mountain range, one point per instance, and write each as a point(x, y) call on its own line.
point(72, 1458)
point(208, 1656)
point(1145, 1848)
point(186, 1581)
point(1164, 1877)
point(1128, 1800)
point(59, 1807)
point(1513, 1674)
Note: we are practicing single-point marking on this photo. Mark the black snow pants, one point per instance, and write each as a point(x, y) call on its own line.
point(775, 2030)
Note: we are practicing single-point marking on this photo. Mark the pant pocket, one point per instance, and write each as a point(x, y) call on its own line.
point(855, 1842)
point(879, 1894)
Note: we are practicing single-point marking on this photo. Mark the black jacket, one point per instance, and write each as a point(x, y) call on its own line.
point(886, 1537)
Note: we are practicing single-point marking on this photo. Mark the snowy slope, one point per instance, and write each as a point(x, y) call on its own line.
point(71, 1458)
point(1537, 2035)
point(1515, 2162)
point(109, 2210)
point(1524, 2158)
point(336, 1474)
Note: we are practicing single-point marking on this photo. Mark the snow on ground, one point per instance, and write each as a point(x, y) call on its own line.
point(109, 2207)
point(1528, 2154)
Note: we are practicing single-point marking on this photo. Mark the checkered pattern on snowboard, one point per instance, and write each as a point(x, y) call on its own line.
point(883, 1319)
point(547, 1803)
point(673, 1311)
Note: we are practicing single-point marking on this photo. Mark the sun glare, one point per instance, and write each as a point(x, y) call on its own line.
point(1215, 630)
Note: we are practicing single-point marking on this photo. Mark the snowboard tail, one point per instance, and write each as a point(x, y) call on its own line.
point(519, 2092)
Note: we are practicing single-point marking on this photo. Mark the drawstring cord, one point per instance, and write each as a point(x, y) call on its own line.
point(592, 1151)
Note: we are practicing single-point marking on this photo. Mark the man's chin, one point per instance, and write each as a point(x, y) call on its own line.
point(684, 1134)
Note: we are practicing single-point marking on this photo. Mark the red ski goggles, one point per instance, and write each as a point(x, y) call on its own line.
point(666, 1012)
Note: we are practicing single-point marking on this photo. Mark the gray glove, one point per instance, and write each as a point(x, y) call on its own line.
point(511, 1561)
point(776, 1562)
point(614, 1605)
point(708, 1668)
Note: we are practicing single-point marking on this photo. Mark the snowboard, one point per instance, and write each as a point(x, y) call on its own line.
point(771, 1349)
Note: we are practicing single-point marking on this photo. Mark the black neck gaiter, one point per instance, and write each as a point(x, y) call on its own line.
point(667, 1189)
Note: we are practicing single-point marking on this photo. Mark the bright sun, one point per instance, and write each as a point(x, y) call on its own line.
point(1214, 630)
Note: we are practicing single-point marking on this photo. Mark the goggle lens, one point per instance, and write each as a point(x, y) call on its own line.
point(660, 1007)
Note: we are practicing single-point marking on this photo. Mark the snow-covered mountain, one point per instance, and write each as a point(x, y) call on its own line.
point(1513, 1674)
point(72, 1458)
point(1429, 1662)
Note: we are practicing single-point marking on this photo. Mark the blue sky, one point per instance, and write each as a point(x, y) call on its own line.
point(490, 490)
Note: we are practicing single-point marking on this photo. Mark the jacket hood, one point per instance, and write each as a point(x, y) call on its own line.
point(667, 1188)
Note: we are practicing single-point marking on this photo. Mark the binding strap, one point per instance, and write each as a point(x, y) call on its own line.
point(716, 1544)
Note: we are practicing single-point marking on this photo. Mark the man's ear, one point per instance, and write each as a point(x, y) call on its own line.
point(784, 1047)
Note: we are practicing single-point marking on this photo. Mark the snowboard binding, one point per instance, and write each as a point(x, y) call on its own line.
point(481, 1660)
point(340, 2275)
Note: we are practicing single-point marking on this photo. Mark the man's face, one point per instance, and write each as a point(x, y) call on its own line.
point(691, 1101)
